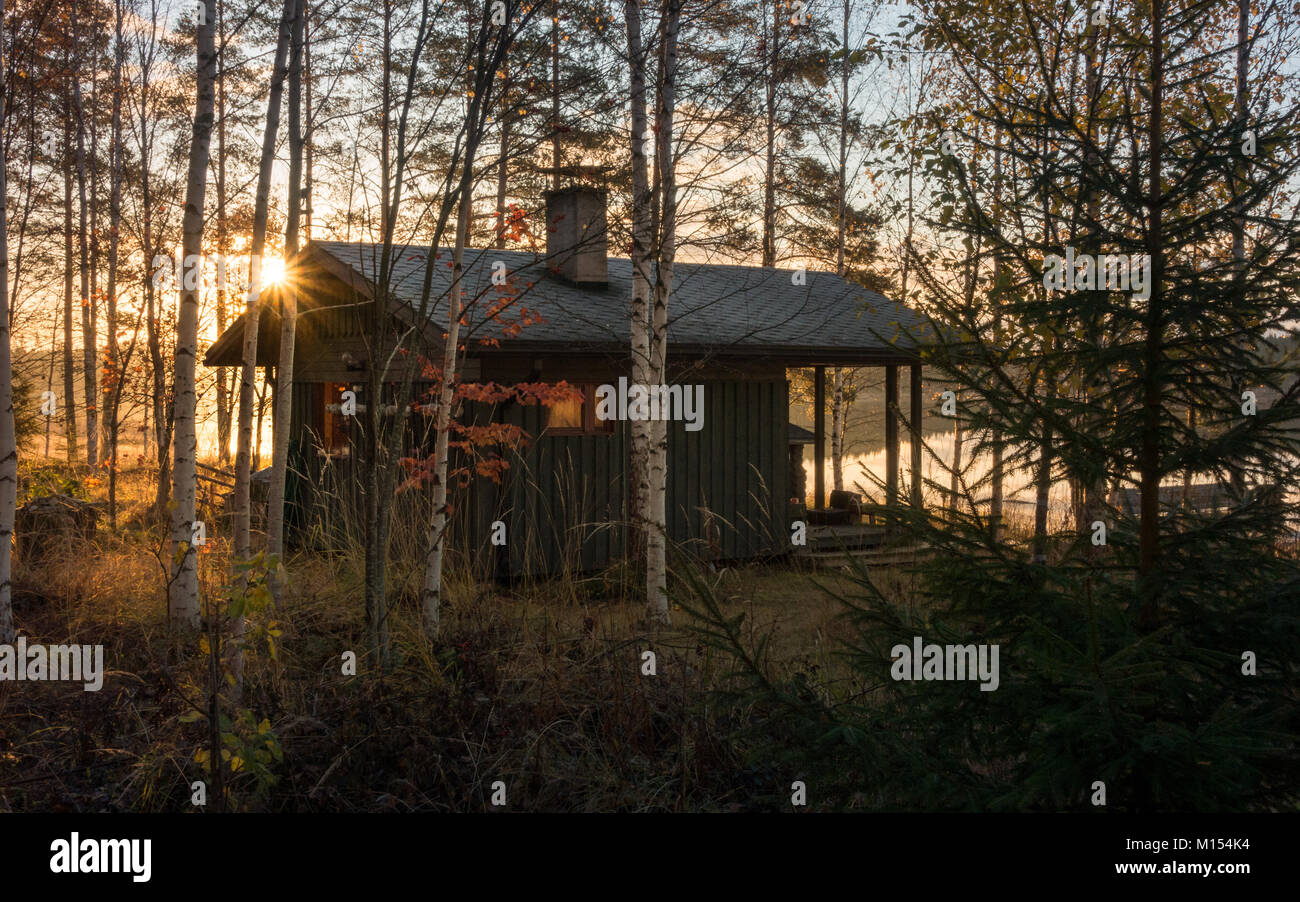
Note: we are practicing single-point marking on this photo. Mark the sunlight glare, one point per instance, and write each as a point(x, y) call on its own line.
point(272, 271)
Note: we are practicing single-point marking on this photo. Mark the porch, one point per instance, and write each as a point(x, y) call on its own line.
point(844, 524)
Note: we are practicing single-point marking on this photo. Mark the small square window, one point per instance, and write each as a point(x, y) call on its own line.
point(566, 415)
point(577, 416)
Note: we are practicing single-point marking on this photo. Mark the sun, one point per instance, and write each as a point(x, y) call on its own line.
point(272, 270)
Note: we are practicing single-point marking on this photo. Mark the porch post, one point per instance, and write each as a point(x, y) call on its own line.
point(916, 416)
point(819, 437)
point(891, 435)
point(273, 387)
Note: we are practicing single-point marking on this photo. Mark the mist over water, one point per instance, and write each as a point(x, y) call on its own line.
point(862, 470)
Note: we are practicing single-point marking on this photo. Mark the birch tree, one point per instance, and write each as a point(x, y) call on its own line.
point(252, 302)
point(654, 214)
point(657, 537)
point(90, 368)
point(639, 304)
point(69, 384)
point(146, 121)
point(114, 364)
point(487, 54)
point(184, 587)
point(288, 300)
point(431, 597)
point(8, 437)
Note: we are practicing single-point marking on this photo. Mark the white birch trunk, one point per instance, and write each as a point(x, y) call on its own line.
point(431, 597)
point(288, 309)
point(252, 303)
point(113, 402)
point(184, 587)
point(8, 436)
point(657, 533)
point(639, 311)
point(88, 338)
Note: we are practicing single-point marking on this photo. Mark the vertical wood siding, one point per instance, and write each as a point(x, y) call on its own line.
point(564, 499)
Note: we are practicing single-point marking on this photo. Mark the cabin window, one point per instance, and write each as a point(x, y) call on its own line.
point(577, 416)
point(335, 440)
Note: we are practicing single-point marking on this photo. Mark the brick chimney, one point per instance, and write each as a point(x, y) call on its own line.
point(576, 238)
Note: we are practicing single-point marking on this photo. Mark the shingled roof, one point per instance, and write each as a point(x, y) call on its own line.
point(714, 309)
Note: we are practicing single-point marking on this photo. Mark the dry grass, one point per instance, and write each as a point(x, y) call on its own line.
point(540, 688)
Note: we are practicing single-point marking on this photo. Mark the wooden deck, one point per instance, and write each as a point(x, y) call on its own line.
point(837, 538)
point(834, 546)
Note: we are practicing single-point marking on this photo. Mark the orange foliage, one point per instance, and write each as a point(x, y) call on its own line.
point(483, 444)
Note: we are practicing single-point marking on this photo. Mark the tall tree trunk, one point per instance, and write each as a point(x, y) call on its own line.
point(1093, 494)
point(268, 385)
point(158, 388)
point(1043, 482)
point(252, 303)
point(431, 597)
point(639, 303)
point(769, 161)
point(839, 409)
point(382, 445)
point(657, 532)
point(555, 94)
point(8, 435)
point(154, 304)
point(841, 187)
point(1042, 487)
point(95, 253)
point(115, 365)
point(1241, 117)
point(489, 59)
point(503, 161)
point(288, 303)
point(375, 511)
point(995, 439)
point(308, 121)
point(154, 409)
point(49, 379)
point(69, 385)
point(224, 411)
point(1149, 467)
point(89, 341)
point(958, 438)
point(184, 595)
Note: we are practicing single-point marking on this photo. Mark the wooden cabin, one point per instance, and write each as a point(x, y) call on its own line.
point(735, 330)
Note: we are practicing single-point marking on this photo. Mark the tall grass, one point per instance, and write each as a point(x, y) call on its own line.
point(539, 685)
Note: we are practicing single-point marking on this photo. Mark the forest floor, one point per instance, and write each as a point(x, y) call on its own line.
point(542, 693)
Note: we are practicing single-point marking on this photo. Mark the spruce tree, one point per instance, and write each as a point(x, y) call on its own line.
point(1149, 649)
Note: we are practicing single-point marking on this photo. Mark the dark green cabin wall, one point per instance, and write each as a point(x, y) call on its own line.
point(320, 492)
point(564, 498)
point(567, 497)
point(726, 483)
